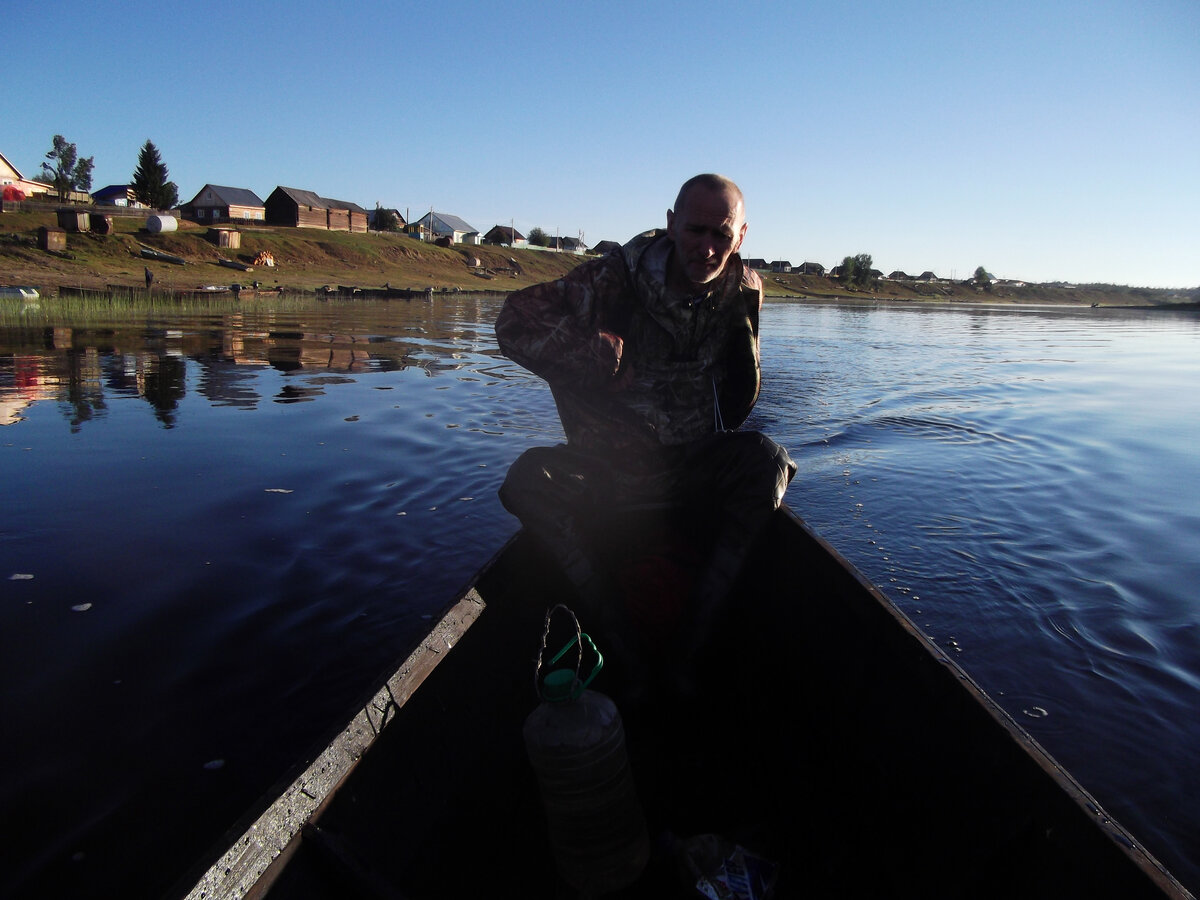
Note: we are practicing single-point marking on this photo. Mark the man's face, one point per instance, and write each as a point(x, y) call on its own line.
point(707, 229)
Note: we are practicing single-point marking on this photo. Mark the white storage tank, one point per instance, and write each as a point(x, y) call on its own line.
point(159, 224)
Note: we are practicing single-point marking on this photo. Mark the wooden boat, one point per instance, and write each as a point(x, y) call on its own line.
point(160, 256)
point(831, 738)
point(18, 292)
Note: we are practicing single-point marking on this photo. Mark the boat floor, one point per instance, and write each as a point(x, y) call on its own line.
point(802, 745)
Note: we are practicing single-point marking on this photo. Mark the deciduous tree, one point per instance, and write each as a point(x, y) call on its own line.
point(385, 219)
point(150, 185)
point(69, 172)
point(537, 237)
point(856, 270)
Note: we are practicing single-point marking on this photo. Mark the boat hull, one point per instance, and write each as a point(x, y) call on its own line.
point(830, 737)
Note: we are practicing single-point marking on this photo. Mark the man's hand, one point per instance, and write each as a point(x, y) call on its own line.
point(610, 351)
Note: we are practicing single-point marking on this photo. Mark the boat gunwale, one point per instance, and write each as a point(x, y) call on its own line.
point(252, 853)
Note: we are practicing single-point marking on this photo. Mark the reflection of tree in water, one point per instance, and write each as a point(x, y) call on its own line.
point(84, 395)
point(132, 356)
point(164, 385)
point(297, 393)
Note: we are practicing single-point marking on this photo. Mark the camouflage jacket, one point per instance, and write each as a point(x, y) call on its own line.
point(632, 367)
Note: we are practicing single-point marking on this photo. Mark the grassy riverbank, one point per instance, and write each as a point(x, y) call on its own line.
point(307, 260)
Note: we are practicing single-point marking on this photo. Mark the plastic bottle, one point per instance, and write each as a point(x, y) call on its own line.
point(576, 743)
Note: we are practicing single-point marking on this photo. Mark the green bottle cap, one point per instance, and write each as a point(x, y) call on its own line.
point(560, 686)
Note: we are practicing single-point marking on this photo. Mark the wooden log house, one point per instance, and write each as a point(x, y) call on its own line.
point(297, 208)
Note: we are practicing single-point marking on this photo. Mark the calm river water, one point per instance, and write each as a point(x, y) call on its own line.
point(220, 526)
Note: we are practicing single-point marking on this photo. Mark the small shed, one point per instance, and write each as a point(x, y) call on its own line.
point(52, 238)
point(225, 237)
point(71, 219)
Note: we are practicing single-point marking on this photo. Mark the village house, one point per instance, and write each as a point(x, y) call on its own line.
point(11, 178)
point(397, 216)
point(434, 226)
point(757, 263)
point(604, 247)
point(781, 265)
point(566, 245)
point(298, 208)
point(811, 268)
point(505, 236)
point(117, 195)
point(217, 203)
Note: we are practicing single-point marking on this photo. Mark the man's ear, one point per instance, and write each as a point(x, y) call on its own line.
point(671, 224)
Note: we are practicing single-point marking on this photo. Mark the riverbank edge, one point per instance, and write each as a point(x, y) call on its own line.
point(190, 262)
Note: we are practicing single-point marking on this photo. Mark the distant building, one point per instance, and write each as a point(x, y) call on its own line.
point(811, 268)
point(505, 236)
point(217, 203)
point(604, 247)
point(434, 225)
point(117, 195)
point(781, 265)
point(298, 208)
point(10, 177)
point(400, 223)
point(566, 245)
point(757, 263)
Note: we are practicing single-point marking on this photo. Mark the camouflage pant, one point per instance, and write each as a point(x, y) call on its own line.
point(734, 481)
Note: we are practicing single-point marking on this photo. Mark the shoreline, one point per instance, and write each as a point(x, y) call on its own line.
point(344, 265)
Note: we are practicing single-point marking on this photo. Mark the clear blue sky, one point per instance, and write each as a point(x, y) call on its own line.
point(1044, 140)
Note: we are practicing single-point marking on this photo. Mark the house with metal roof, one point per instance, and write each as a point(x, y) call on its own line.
point(218, 203)
point(116, 195)
point(435, 225)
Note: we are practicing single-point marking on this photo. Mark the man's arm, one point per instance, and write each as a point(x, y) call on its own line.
point(553, 330)
point(743, 376)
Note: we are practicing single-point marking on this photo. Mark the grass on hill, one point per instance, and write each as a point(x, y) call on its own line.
point(308, 259)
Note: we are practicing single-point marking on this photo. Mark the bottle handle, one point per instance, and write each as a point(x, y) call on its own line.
point(577, 641)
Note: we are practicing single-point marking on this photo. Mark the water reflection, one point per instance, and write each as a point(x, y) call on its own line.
point(81, 367)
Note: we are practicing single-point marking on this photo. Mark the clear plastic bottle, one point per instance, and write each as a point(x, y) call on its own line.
point(576, 743)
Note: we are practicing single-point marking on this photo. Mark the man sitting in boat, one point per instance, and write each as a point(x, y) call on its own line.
point(651, 353)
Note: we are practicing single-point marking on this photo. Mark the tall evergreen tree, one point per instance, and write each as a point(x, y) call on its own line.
point(150, 185)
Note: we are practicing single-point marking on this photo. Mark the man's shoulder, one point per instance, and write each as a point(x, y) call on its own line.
point(750, 278)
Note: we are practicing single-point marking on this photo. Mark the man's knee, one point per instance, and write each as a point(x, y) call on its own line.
point(759, 465)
